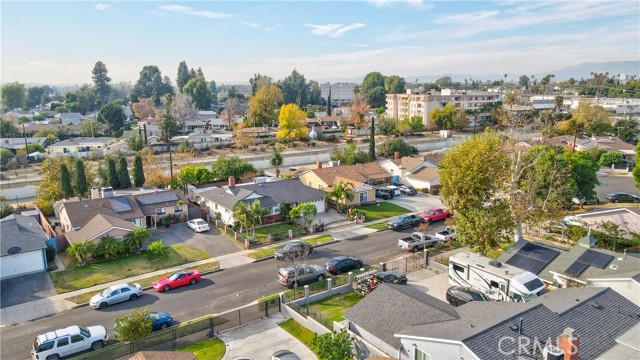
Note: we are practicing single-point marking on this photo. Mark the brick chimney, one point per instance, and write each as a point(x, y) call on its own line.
point(95, 193)
point(319, 164)
point(569, 342)
point(232, 181)
point(396, 155)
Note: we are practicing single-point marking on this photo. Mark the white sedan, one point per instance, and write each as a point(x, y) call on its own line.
point(446, 235)
point(198, 225)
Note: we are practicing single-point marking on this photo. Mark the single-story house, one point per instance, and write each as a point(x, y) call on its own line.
point(206, 138)
point(101, 226)
point(363, 178)
point(69, 118)
point(14, 144)
point(414, 171)
point(627, 220)
point(259, 135)
point(272, 195)
point(22, 246)
point(584, 323)
point(80, 147)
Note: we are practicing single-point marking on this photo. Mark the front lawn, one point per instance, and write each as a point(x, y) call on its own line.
point(81, 277)
point(263, 253)
point(378, 226)
point(334, 307)
point(300, 332)
point(206, 349)
point(273, 230)
point(381, 210)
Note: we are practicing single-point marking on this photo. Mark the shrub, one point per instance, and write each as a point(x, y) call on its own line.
point(434, 191)
point(575, 233)
point(109, 247)
point(610, 157)
point(51, 253)
point(157, 250)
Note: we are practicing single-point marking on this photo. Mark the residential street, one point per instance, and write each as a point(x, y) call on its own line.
point(216, 293)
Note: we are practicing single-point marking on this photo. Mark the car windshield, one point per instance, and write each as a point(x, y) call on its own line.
point(333, 261)
point(84, 332)
point(175, 276)
point(200, 222)
point(288, 247)
point(106, 292)
point(429, 212)
point(154, 316)
point(397, 218)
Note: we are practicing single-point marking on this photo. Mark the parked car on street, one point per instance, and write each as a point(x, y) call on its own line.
point(160, 320)
point(394, 190)
point(71, 340)
point(339, 264)
point(180, 278)
point(292, 276)
point(115, 294)
point(407, 190)
point(616, 197)
point(435, 214)
point(198, 225)
point(458, 295)
point(384, 193)
point(418, 241)
point(404, 221)
point(584, 201)
point(293, 250)
point(446, 235)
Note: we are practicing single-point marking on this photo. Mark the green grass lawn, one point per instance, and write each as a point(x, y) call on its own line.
point(81, 277)
point(299, 332)
point(334, 307)
point(262, 232)
point(377, 226)
point(382, 210)
point(206, 349)
point(84, 298)
point(263, 253)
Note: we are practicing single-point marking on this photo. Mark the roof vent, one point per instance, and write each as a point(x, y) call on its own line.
point(495, 263)
point(613, 267)
point(14, 250)
point(596, 305)
point(514, 327)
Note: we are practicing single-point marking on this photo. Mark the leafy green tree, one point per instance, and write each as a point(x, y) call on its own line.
point(198, 90)
point(81, 179)
point(292, 125)
point(262, 107)
point(183, 75)
point(138, 171)
point(389, 147)
point(101, 87)
point(133, 241)
point(227, 166)
point(304, 211)
point(7, 129)
point(340, 193)
point(256, 213)
point(149, 84)
point(195, 175)
point(23, 120)
point(65, 182)
point(109, 247)
point(14, 96)
point(86, 100)
point(294, 89)
point(168, 127)
point(373, 90)
point(636, 169)
point(349, 155)
point(112, 174)
point(583, 173)
point(372, 141)
point(386, 126)
point(610, 158)
point(6, 155)
point(123, 173)
point(113, 115)
point(82, 251)
point(415, 123)
point(135, 326)
point(5, 209)
point(460, 119)
point(394, 84)
point(90, 128)
point(258, 81)
point(627, 130)
point(135, 143)
point(315, 94)
point(334, 345)
point(443, 118)
point(36, 95)
point(276, 160)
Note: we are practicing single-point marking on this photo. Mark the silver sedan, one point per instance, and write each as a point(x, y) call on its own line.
point(115, 294)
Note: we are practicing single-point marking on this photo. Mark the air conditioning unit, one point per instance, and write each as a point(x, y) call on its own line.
point(260, 180)
point(333, 163)
point(106, 192)
point(552, 352)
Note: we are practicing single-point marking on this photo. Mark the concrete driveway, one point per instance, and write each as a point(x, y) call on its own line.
point(211, 242)
point(21, 289)
point(419, 202)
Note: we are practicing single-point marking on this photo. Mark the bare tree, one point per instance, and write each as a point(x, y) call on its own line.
point(183, 109)
point(228, 113)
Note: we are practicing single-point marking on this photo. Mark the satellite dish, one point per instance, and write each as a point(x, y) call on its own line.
point(14, 250)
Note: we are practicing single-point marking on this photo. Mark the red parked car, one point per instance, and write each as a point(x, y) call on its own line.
point(435, 214)
point(181, 278)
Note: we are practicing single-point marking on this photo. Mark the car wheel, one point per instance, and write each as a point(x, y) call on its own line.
point(429, 221)
point(338, 271)
point(453, 302)
point(53, 357)
point(415, 249)
point(164, 326)
point(404, 282)
point(103, 305)
point(294, 284)
point(133, 297)
point(320, 277)
point(193, 281)
point(166, 288)
point(616, 201)
point(97, 345)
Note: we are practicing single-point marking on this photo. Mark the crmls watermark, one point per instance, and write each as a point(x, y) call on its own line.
point(522, 345)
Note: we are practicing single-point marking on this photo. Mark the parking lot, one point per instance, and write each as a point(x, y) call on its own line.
point(211, 242)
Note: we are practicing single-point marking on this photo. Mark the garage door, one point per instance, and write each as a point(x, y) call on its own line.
point(19, 264)
point(319, 206)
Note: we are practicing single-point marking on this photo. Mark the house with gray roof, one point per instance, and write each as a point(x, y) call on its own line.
point(80, 147)
point(206, 138)
point(587, 322)
point(585, 265)
point(22, 246)
point(69, 118)
point(271, 194)
point(14, 144)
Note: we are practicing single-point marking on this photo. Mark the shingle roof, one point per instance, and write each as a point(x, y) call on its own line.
point(79, 141)
point(425, 174)
point(80, 212)
point(225, 198)
point(21, 231)
point(360, 173)
point(286, 191)
point(96, 226)
point(390, 308)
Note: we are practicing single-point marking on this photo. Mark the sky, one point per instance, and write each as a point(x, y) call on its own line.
point(58, 42)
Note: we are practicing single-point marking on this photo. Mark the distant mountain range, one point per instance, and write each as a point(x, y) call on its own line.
point(577, 72)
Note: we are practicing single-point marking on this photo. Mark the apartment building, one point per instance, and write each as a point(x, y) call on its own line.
point(341, 93)
point(415, 102)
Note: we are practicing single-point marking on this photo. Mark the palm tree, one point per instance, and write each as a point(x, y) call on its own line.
point(341, 192)
point(81, 251)
point(256, 212)
point(276, 160)
point(110, 247)
point(133, 241)
point(241, 214)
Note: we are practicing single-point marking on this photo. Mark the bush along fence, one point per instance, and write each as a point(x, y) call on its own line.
point(185, 333)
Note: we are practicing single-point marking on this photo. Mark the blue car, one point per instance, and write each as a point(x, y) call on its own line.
point(161, 320)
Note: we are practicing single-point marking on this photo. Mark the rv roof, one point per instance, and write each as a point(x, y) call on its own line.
point(466, 257)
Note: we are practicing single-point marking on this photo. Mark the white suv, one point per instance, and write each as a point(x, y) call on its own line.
point(68, 341)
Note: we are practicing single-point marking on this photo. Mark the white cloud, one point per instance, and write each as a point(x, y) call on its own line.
point(333, 30)
point(190, 11)
point(102, 6)
point(391, 3)
point(259, 26)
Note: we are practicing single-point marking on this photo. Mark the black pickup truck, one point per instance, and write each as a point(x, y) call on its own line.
point(404, 221)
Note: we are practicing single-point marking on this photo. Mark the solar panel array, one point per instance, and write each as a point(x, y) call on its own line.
point(120, 204)
point(533, 258)
point(589, 257)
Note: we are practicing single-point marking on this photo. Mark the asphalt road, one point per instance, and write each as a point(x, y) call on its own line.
point(215, 293)
point(613, 183)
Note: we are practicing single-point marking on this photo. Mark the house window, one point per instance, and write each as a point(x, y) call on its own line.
point(320, 186)
point(310, 184)
point(161, 211)
point(177, 208)
point(419, 355)
point(363, 197)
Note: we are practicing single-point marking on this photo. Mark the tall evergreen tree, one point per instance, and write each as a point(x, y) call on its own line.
point(138, 171)
point(101, 89)
point(372, 140)
point(183, 75)
point(81, 179)
point(65, 182)
point(123, 174)
point(112, 174)
point(168, 127)
point(329, 102)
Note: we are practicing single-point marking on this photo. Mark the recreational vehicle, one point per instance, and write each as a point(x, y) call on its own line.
point(498, 281)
